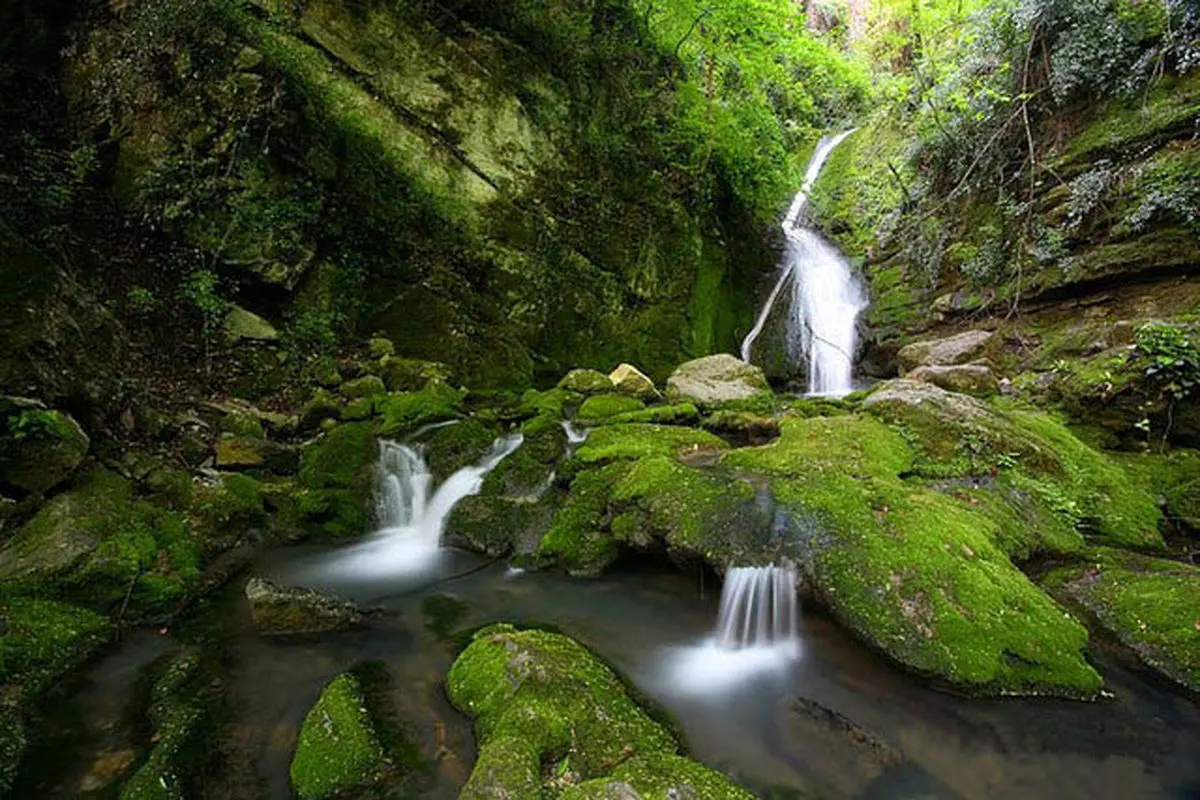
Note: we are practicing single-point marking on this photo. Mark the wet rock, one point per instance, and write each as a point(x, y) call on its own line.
point(339, 749)
point(244, 326)
point(244, 452)
point(958, 349)
point(847, 758)
point(602, 406)
point(585, 381)
point(718, 380)
point(285, 610)
point(972, 379)
point(743, 428)
point(39, 448)
point(628, 379)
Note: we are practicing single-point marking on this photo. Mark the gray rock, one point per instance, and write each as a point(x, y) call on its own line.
point(958, 349)
point(973, 379)
point(366, 386)
point(283, 610)
point(628, 379)
point(586, 381)
point(716, 380)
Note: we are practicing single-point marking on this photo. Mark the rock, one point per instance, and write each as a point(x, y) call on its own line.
point(536, 696)
point(245, 452)
point(322, 406)
point(1151, 605)
point(972, 379)
point(958, 349)
point(366, 386)
point(38, 448)
point(380, 348)
point(847, 758)
point(743, 428)
point(244, 326)
point(411, 375)
point(585, 381)
point(325, 371)
point(285, 610)
point(715, 381)
point(601, 406)
point(339, 749)
point(628, 379)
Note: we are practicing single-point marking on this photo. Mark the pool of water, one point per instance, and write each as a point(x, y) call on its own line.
point(888, 736)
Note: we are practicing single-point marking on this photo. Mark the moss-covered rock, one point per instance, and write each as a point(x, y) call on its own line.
point(336, 480)
point(452, 447)
point(718, 381)
point(289, 610)
point(602, 406)
point(339, 749)
point(628, 379)
point(634, 441)
point(38, 448)
point(42, 640)
point(585, 381)
point(961, 348)
point(972, 379)
point(411, 375)
point(674, 414)
point(320, 407)
point(366, 386)
point(539, 698)
point(920, 574)
point(406, 411)
point(380, 347)
point(1152, 605)
point(243, 452)
point(100, 544)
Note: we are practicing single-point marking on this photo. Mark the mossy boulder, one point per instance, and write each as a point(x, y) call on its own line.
point(921, 574)
point(380, 348)
point(38, 448)
point(602, 406)
point(586, 381)
point(41, 640)
point(972, 379)
point(320, 407)
point(339, 750)
point(960, 348)
point(404, 412)
point(336, 481)
point(242, 326)
point(366, 386)
point(100, 544)
point(245, 452)
point(410, 374)
point(224, 510)
point(673, 414)
point(1151, 605)
point(628, 379)
point(718, 381)
point(452, 447)
point(289, 610)
point(540, 698)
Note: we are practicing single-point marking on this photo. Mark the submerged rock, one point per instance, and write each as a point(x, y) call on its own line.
point(628, 379)
point(285, 610)
point(958, 349)
point(38, 448)
point(537, 695)
point(973, 379)
point(1151, 605)
point(339, 749)
point(718, 380)
point(585, 381)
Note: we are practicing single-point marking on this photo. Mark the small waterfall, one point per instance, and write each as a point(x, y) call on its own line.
point(826, 298)
point(411, 515)
point(574, 435)
point(758, 608)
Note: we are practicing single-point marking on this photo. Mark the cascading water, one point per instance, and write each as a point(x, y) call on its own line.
point(756, 634)
point(826, 297)
point(411, 519)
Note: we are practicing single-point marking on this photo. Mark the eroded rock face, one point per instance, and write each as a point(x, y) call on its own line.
point(961, 348)
point(973, 379)
point(717, 380)
point(628, 379)
point(284, 610)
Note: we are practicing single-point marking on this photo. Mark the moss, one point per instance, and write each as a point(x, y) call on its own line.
point(408, 410)
point(1152, 605)
point(456, 446)
point(586, 381)
point(1174, 477)
point(38, 448)
point(538, 697)
point(43, 640)
point(602, 406)
point(577, 539)
point(380, 348)
point(366, 386)
point(676, 414)
point(633, 441)
point(552, 402)
point(660, 777)
point(336, 481)
point(229, 507)
point(338, 748)
point(243, 425)
point(919, 574)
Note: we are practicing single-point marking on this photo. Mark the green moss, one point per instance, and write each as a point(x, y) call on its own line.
point(1174, 477)
point(917, 573)
point(577, 539)
point(366, 386)
point(633, 441)
point(675, 414)
point(412, 375)
point(551, 402)
point(230, 507)
point(586, 381)
point(1152, 605)
point(38, 448)
point(408, 410)
point(338, 748)
point(243, 425)
point(456, 446)
point(602, 406)
point(336, 480)
point(43, 640)
point(539, 697)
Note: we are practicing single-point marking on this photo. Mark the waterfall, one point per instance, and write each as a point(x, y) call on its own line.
point(758, 608)
point(412, 517)
point(826, 298)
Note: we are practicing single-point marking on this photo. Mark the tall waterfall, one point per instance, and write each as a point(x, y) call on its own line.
point(826, 298)
point(758, 608)
point(411, 515)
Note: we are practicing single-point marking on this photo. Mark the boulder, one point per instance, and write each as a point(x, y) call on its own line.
point(972, 379)
point(586, 381)
point(244, 326)
point(628, 379)
point(717, 380)
point(366, 386)
point(339, 749)
point(248, 452)
point(380, 348)
point(320, 407)
point(38, 448)
point(411, 375)
point(958, 349)
point(285, 610)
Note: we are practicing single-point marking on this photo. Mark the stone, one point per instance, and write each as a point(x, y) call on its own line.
point(366, 386)
point(586, 381)
point(714, 381)
point(380, 348)
point(288, 610)
point(958, 349)
point(38, 448)
point(628, 379)
point(972, 379)
point(321, 406)
point(324, 370)
point(339, 749)
point(247, 452)
point(245, 326)
point(410, 374)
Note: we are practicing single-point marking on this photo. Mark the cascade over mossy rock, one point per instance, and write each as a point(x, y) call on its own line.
point(339, 750)
point(716, 381)
point(960, 348)
point(38, 448)
point(537, 695)
point(628, 379)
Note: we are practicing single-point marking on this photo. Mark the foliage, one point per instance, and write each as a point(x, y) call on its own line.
point(1169, 357)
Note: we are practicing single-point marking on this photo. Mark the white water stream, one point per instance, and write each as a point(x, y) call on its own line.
point(411, 516)
point(826, 298)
